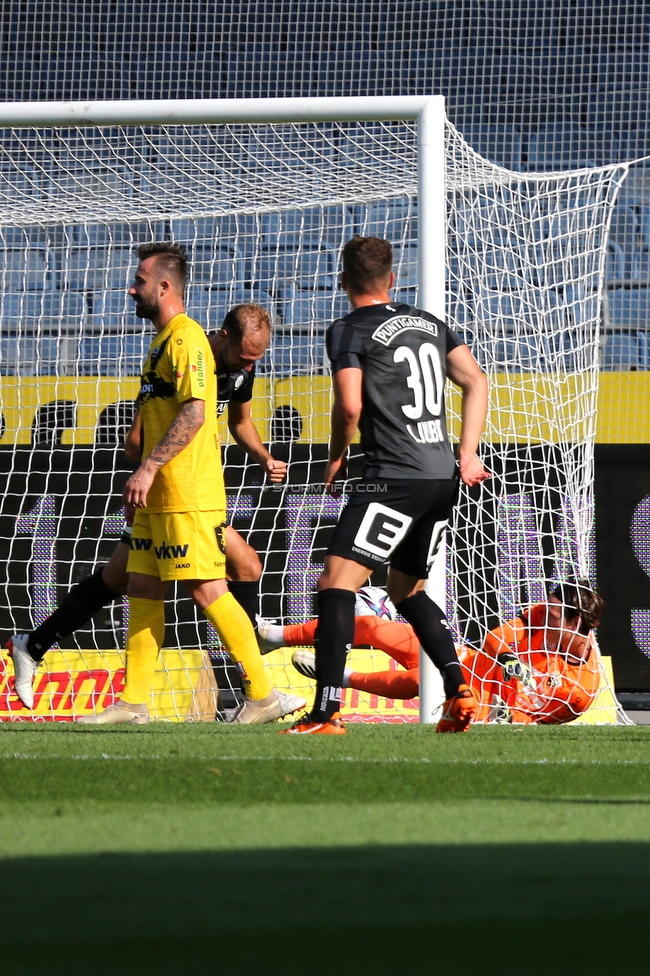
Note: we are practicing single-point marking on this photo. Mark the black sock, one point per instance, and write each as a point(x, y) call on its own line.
point(247, 595)
point(79, 606)
point(432, 630)
point(334, 637)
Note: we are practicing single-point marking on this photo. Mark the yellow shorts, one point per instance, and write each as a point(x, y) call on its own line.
point(174, 546)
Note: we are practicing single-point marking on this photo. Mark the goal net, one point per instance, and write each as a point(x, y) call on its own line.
point(263, 211)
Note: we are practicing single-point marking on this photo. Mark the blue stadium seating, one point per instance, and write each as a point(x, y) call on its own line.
point(26, 269)
point(405, 266)
point(627, 308)
point(42, 311)
point(294, 352)
point(218, 264)
point(395, 220)
point(614, 262)
point(303, 281)
point(208, 306)
point(98, 268)
point(114, 312)
point(114, 355)
point(500, 143)
point(625, 231)
point(563, 145)
point(506, 329)
point(641, 264)
point(621, 351)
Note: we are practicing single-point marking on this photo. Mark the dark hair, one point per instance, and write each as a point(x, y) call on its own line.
point(580, 599)
point(172, 259)
point(246, 320)
point(366, 261)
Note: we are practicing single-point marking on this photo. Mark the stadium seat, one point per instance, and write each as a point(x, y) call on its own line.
point(43, 311)
point(43, 355)
point(303, 281)
point(627, 308)
point(395, 220)
point(88, 178)
point(641, 264)
point(26, 269)
point(625, 231)
point(288, 228)
point(208, 306)
point(98, 268)
point(501, 143)
point(614, 262)
point(218, 264)
point(20, 182)
point(114, 355)
point(113, 311)
point(405, 266)
point(564, 145)
point(509, 329)
point(620, 351)
point(111, 234)
point(294, 352)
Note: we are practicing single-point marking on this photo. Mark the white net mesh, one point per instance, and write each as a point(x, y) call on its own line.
point(263, 212)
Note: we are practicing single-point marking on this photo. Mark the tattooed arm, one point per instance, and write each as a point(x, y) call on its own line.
point(190, 419)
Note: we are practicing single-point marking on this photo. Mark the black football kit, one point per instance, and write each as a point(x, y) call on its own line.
point(399, 509)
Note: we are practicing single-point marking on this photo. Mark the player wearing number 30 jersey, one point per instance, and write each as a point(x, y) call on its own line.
point(389, 366)
point(402, 352)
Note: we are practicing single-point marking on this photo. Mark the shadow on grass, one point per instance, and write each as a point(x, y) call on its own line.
point(534, 909)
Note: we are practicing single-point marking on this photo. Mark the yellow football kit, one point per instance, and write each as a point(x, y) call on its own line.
point(180, 367)
point(180, 534)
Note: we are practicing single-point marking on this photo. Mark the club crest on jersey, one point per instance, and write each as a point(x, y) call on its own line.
point(387, 331)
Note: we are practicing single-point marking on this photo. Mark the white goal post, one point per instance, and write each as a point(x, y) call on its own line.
point(514, 261)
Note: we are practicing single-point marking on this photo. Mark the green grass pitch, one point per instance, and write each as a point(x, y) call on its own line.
point(204, 849)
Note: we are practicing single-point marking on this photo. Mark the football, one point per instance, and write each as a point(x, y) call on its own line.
point(374, 600)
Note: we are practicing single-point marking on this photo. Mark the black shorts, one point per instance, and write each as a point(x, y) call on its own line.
point(399, 522)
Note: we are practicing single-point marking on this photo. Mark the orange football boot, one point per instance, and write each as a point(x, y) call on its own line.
point(307, 726)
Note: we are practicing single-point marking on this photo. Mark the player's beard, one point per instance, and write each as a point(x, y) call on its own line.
point(146, 309)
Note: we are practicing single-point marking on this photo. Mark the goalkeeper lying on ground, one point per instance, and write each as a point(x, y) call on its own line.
point(542, 667)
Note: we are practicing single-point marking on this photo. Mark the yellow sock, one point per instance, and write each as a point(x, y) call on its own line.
point(143, 643)
point(236, 632)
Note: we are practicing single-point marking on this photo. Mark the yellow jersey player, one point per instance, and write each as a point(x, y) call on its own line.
point(179, 497)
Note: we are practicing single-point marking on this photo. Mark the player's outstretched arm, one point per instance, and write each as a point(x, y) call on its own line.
point(187, 423)
point(463, 370)
point(245, 433)
point(346, 412)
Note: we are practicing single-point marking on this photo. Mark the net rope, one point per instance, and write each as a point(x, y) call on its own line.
point(264, 211)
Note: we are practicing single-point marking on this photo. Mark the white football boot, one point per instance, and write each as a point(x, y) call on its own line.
point(270, 635)
point(121, 713)
point(25, 668)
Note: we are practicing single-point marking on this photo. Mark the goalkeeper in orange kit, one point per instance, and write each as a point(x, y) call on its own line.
point(542, 667)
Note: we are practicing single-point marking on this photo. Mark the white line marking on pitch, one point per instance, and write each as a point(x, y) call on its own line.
point(342, 759)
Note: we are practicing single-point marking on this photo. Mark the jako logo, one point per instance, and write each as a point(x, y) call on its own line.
point(170, 552)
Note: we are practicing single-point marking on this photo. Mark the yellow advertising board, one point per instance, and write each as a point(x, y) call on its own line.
point(74, 683)
point(524, 407)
